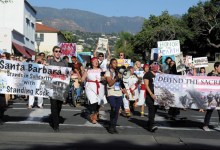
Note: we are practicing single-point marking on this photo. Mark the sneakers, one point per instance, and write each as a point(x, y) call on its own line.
point(153, 129)
point(206, 128)
point(142, 114)
point(128, 114)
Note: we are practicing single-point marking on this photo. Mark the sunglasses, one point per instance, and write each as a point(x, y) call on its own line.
point(57, 51)
point(121, 55)
point(155, 63)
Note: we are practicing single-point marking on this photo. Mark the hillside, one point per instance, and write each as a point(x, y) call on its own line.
point(73, 19)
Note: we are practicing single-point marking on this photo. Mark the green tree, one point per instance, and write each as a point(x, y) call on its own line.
point(160, 28)
point(204, 22)
point(124, 44)
point(70, 38)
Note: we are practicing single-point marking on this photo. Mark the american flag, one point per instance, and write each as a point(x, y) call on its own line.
point(179, 83)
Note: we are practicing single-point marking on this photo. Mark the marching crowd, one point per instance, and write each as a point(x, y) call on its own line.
point(104, 82)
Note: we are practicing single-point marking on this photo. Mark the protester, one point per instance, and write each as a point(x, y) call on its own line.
point(114, 87)
point(131, 85)
point(56, 105)
point(66, 58)
point(165, 66)
point(31, 99)
point(150, 97)
point(6, 56)
point(137, 66)
point(42, 54)
point(103, 63)
point(202, 72)
point(78, 69)
point(208, 114)
point(142, 95)
point(173, 112)
point(121, 55)
point(94, 88)
point(2, 97)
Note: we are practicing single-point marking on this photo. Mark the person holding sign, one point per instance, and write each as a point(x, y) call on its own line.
point(150, 97)
point(31, 98)
point(115, 87)
point(102, 61)
point(56, 105)
point(208, 114)
point(94, 88)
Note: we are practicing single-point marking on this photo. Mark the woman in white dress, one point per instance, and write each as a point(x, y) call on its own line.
point(94, 88)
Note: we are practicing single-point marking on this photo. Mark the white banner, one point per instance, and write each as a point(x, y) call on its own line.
point(24, 78)
point(169, 47)
point(188, 61)
point(194, 92)
point(200, 62)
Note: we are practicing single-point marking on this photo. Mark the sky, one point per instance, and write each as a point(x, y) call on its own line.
point(131, 8)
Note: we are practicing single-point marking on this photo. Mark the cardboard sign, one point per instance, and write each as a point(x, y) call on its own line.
point(200, 62)
point(102, 45)
point(169, 47)
point(180, 66)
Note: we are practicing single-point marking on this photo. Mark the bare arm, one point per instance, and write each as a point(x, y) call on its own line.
point(110, 81)
point(95, 52)
point(109, 53)
point(194, 72)
point(84, 76)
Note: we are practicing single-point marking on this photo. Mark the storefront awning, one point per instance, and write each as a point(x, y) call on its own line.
point(30, 52)
point(21, 50)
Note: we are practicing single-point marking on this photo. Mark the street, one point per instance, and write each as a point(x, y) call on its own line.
point(29, 129)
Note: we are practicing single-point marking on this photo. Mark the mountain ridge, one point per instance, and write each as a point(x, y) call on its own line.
point(75, 19)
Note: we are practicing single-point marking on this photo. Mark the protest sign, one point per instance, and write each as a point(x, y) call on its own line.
point(68, 49)
point(200, 62)
point(24, 78)
point(164, 58)
point(194, 92)
point(188, 61)
point(102, 45)
point(124, 62)
point(169, 47)
point(180, 66)
point(84, 57)
point(154, 54)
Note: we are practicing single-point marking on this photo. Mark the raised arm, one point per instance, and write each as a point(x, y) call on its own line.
point(95, 52)
point(109, 53)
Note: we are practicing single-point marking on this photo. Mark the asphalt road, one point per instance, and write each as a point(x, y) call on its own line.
point(29, 129)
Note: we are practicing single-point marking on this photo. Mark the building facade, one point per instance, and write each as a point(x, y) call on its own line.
point(17, 28)
point(47, 37)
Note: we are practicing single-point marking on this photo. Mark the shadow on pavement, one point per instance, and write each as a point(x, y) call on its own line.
point(91, 144)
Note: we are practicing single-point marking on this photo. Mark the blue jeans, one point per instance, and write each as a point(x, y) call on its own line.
point(115, 103)
point(78, 92)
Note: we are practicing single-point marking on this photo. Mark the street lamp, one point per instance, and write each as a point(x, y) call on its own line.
point(38, 45)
